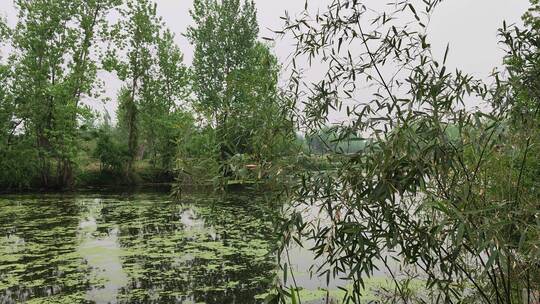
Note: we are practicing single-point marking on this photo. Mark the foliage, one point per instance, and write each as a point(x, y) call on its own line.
point(110, 152)
point(448, 190)
point(235, 80)
point(259, 125)
point(53, 67)
point(17, 160)
point(196, 162)
point(135, 34)
point(18, 163)
point(329, 140)
point(4, 30)
point(224, 35)
point(166, 100)
point(145, 57)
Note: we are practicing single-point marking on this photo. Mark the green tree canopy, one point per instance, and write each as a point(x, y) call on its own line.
point(146, 58)
point(235, 80)
point(54, 67)
point(224, 34)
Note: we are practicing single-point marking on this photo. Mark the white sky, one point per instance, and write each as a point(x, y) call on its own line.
point(470, 26)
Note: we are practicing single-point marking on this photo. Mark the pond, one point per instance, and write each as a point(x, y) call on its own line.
point(147, 248)
point(142, 248)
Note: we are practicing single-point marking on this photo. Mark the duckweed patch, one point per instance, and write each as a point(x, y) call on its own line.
point(142, 248)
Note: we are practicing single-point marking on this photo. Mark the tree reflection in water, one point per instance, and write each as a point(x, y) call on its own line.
point(138, 249)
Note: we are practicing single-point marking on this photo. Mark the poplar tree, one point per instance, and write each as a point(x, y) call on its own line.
point(235, 80)
point(54, 69)
point(164, 102)
point(224, 35)
point(5, 100)
point(145, 58)
point(135, 35)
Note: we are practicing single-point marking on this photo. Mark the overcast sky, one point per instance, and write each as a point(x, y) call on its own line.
point(470, 26)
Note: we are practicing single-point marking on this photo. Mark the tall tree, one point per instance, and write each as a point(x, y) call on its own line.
point(145, 57)
point(164, 102)
point(18, 157)
point(54, 68)
point(6, 108)
point(259, 124)
point(135, 35)
point(224, 36)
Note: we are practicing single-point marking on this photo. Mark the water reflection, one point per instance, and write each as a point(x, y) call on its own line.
point(40, 263)
point(138, 249)
point(102, 253)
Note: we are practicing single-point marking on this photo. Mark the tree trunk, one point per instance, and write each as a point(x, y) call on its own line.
point(224, 150)
point(66, 178)
point(45, 166)
point(131, 115)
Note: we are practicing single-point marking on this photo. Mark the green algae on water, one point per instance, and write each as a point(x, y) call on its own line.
point(142, 248)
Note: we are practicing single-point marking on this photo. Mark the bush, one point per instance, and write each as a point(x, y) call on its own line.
point(18, 167)
point(112, 155)
point(197, 161)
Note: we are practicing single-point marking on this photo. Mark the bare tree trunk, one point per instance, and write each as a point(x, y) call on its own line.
point(224, 150)
point(66, 178)
point(131, 115)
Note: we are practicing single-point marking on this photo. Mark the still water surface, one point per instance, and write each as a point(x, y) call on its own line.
point(141, 248)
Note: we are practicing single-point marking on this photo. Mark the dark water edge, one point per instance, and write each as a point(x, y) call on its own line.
point(136, 246)
point(161, 187)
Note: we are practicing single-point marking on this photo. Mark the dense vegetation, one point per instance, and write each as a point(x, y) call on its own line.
point(225, 111)
point(446, 187)
point(437, 172)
